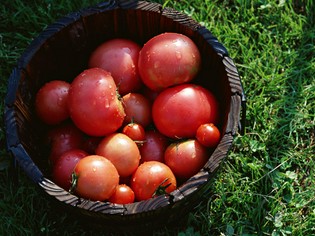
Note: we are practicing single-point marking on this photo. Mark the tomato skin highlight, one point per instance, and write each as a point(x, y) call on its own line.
point(93, 103)
point(96, 178)
point(149, 177)
point(122, 151)
point(186, 158)
point(120, 58)
point(51, 102)
point(178, 111)
point(168, 59)
point(208, 135)
point(123, 195)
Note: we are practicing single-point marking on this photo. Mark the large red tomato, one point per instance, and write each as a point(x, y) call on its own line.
point(120, 58)
point(64, 166)
point(186, 158)
point(122, 151)
point(95, 178)
point(151, 177)
point(51, 102)
point(178, 111)
point(93, 103)
point(168, 59)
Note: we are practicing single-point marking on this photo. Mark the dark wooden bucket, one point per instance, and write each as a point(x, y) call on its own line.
point(61, 52)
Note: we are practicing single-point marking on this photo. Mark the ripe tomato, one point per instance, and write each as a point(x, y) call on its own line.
point(122, 151)
point(64, 166)
point(120, 58)
point(134, 131)
point(178, 111)
point(51, 102)
point(123, 195)
point(137, 109)
point(90, 144)
point(149, 93)
point(186, 158)
point(62, 138)
point(150, 177)
point(168, 59)
point(93, 103)
point(208, 135)
point(95, 178)
point(154, 146)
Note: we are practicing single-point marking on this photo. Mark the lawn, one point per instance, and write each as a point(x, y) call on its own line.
point(266, 186)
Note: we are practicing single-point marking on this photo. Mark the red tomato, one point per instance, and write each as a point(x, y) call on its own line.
point(178, 111)
point(122, 195)
point(95, 178)
point(134, 131)
point(64, 166)
point(168, 59)
point(90, 144)
point(208, 135)
point(122, 151)
point(150, 177)
point(137, 109)
point(93, 103)
point(62, 138)
point(186, 158)
point(120, 58)
point(150, 94)
point(51, 102)
point(154, 146)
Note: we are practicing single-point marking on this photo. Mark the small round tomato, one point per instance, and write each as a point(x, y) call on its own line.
point(120, 58)
point(122, 151)
point(94, 178)
point(62, 138)
point(137, 109)
point(153, 147)
point(64, 166)
point(134, 131)
point(152, 178)
point(208, 135)
point(178, 111)
point(93, 103)
point(122, 195)
point(168, 59)
point(186, 158)
point(51, 102)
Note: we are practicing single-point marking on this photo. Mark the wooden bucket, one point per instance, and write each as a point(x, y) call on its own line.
point(61, 52)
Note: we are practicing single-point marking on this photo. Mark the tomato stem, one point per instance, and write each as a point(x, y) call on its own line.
point(74, 181)
point(160, 190)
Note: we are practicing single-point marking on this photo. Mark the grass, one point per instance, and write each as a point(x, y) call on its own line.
point(266, 186)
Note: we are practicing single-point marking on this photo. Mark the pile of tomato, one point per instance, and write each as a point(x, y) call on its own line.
point(133, 124)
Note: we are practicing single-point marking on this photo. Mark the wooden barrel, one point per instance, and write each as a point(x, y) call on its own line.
point(61, 52)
